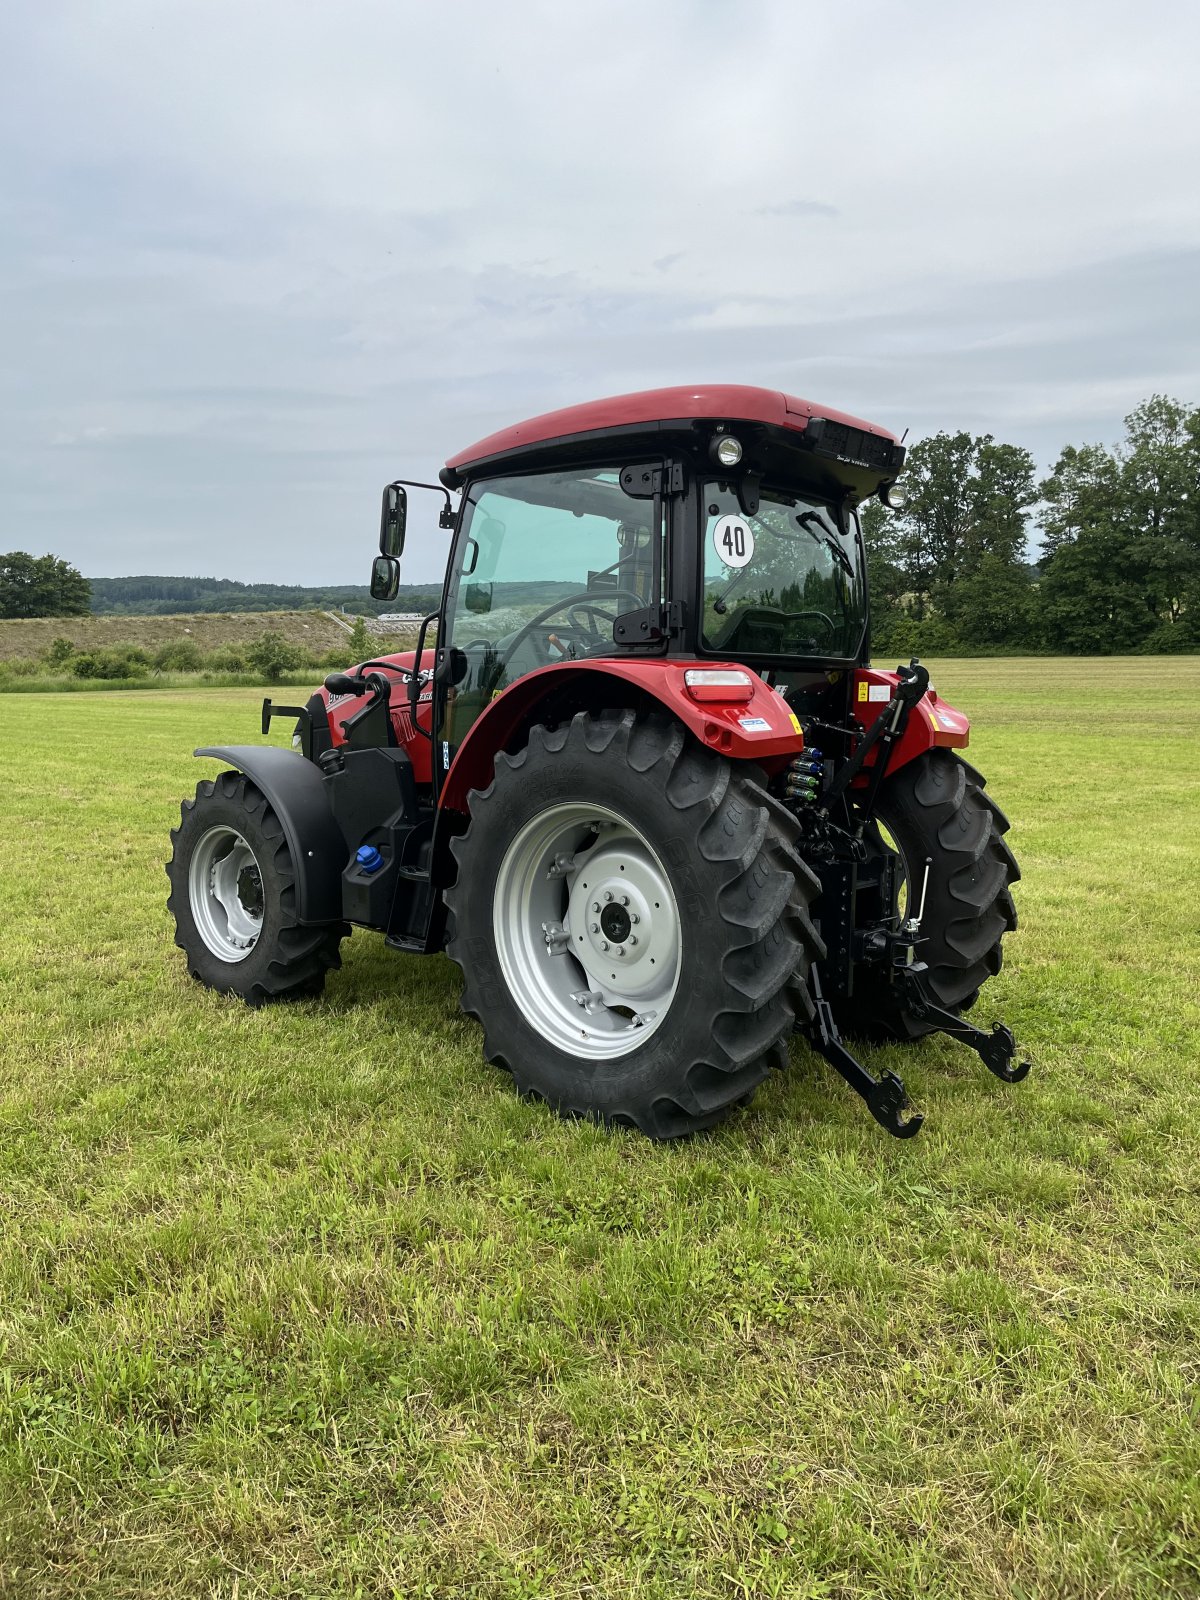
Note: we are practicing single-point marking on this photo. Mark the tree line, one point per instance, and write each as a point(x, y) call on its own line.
point(163, 596)
point(1117, 570)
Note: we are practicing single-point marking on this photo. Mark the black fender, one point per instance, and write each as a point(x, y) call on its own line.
point(295, 791)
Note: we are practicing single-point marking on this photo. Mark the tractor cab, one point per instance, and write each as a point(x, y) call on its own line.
point(637, 777)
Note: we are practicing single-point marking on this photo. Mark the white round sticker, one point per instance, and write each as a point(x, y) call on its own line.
point(733, 541)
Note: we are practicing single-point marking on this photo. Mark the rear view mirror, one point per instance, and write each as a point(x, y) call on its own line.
point(392, 521)
point(385, 578)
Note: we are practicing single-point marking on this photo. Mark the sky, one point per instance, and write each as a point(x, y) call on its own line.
point(258, 259)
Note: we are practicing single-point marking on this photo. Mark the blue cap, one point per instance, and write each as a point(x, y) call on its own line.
point(368, 858)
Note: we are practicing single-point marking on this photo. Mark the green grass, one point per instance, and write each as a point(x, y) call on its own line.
point(304, 1302)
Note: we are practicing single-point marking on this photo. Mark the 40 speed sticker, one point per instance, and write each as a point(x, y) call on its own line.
point(733, 541)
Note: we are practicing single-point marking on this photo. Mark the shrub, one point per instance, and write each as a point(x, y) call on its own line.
point(19, 667)
point(271, 656)
point(227, 659)
point(181, 655)
point(60, 653)
point(118, 661)
point(360, 643)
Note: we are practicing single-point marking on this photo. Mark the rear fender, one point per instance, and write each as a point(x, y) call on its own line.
point(934, 723)
point(746, 730)
point(295, 791)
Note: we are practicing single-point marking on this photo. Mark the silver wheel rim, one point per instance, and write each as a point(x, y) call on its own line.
point(226, 894)
point(587, 930)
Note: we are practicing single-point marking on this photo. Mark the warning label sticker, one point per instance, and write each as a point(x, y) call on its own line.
point(754, 724)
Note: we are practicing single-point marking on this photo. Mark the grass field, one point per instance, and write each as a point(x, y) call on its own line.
point(304, 1302)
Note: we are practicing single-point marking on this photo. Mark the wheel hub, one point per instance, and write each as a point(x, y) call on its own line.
point(621, 917)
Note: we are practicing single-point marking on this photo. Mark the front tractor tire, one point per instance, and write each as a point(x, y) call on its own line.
point(632, 923)
point(936, 809)
point(233, 896)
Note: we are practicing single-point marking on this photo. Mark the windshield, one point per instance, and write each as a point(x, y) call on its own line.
point(786, 581)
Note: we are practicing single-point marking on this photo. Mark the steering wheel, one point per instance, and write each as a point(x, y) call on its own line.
point(753, 613)
point(583, 599)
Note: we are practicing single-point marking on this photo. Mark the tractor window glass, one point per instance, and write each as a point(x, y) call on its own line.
point(544, 566)
point(786, 581)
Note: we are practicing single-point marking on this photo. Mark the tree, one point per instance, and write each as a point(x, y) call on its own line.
point(41, 586)
point(1081, 495)
point(271, 656)
point(1160, 469)
point(360, 640)
point(1121, 563)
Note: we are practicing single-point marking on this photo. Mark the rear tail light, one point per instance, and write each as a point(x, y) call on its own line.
point(709, 685)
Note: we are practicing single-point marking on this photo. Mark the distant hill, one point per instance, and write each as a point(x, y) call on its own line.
point(158, 597)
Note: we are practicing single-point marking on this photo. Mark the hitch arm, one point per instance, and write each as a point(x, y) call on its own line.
point(886, 1097)
point(887, 728)
point(995, 1049)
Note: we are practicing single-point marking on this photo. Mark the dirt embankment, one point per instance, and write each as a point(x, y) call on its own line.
point(316, 631)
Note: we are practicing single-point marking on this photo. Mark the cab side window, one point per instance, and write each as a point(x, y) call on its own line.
point(546, 563)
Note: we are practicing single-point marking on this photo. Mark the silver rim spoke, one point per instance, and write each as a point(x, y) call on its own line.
point(587, 930)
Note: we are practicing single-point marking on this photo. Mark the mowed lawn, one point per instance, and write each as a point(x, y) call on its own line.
point(305, 1302)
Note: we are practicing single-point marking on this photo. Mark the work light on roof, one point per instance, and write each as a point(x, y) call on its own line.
point(727, 450)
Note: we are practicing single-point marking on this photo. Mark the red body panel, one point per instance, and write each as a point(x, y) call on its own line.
point(721, 402)
point(933, 722)
point(761, 729)
point(420, 749)
point(772, 730)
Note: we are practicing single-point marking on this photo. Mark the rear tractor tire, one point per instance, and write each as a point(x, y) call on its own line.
point(233, 896)
point(632, 923)
point(935, 808)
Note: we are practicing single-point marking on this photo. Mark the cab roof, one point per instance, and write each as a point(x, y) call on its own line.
point(671, 410)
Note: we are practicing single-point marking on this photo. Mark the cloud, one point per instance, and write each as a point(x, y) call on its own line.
point(254, 261)
point(799, 208)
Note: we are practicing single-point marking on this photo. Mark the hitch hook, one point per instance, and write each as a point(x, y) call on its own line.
point(885, 1097)
point(995, 1049)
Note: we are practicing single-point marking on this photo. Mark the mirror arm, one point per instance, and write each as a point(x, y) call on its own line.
point(446, 514)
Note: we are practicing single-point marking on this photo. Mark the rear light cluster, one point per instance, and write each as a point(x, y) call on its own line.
point(712, 685)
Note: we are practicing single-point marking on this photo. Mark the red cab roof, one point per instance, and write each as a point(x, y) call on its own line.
point(717, 402)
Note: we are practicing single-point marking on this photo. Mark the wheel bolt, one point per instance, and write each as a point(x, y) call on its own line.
point(607, 896)
point(624, 899)
point(620, 950)
point(604, 944)
point(633, 938)
point(595, 905)
point(594, 927)
point(633, 917)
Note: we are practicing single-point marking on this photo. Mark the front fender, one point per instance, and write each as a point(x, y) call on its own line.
point(745, 730)
point(295, 791)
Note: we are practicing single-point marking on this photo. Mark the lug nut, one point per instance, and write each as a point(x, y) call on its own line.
point(595, 905)
point(624, 899)
point(607, 896)
point(620, 950)
point(633, 938)
point(594, 927)
point(604, 944)
point(633, 917)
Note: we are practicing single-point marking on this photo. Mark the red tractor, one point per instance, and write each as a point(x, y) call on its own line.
point(642, 785)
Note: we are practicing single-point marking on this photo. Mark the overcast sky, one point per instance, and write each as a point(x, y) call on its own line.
point(257, 258)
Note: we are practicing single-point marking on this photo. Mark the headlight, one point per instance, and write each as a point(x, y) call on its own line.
point(726, 451)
